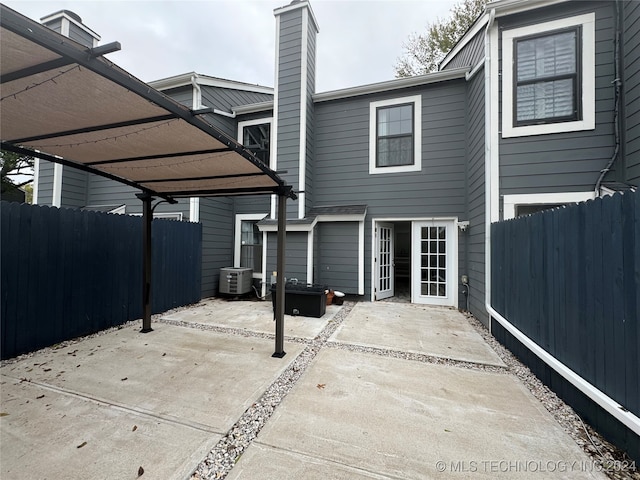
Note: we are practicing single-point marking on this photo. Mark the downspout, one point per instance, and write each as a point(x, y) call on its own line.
point(607, 403)
point(617, 84)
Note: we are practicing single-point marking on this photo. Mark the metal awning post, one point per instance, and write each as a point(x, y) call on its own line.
point(147, 216)
point(282, 227)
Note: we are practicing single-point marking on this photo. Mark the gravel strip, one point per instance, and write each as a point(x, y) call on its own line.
point(222, 458)
point(614, 462)
point(418, 357)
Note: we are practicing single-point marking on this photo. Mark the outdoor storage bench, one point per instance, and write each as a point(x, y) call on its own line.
point(307, 300)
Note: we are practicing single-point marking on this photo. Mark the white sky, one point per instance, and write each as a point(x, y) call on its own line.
point(359, 40)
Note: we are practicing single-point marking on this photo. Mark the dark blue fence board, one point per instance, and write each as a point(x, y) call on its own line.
point(67, 273)
point(570, 280)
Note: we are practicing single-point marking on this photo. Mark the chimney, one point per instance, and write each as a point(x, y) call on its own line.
point(296, 30)
point(69, 24)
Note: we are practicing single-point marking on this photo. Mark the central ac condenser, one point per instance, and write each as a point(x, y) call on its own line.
point(235, 280)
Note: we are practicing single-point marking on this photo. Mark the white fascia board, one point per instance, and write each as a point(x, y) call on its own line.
point(305, 227)
point(510, 7)
point(341, 218)
point(390, 85)
point(186, 78)
point(253, 108)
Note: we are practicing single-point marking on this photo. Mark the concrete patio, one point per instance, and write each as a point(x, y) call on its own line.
point(107, 405)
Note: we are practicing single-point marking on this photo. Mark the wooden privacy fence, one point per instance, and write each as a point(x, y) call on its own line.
point(569, 279)
point(66, 273)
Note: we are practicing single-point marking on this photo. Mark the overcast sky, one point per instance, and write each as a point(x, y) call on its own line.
point(359, 40)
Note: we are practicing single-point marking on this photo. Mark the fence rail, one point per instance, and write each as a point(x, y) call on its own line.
point(66, 273)
point(570, 280)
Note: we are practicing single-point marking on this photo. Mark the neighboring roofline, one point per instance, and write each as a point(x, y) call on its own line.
point(389, 85)
point(296, 4)
point(253, 108)
point(73, 18)
point(185, 79)
point(502, 8)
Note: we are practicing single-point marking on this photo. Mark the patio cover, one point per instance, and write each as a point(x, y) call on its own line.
point(77, 108)
point(66, 103)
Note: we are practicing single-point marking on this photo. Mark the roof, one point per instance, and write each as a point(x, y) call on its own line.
point(73, 106)
point(334, 213)
point(187, 79)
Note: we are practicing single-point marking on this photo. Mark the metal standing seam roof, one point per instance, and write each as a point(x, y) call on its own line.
point(75, 107)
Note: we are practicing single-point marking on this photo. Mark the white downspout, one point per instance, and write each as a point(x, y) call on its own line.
point(603, 400)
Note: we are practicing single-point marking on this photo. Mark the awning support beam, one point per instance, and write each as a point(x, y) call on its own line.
point(147, 217)
point(282, 235)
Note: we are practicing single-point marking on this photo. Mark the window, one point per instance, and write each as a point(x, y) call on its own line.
point(546, 73)
point(256, 136)
point(549, 77)
point(395, 135)
point(249, 243)
point(526, 204)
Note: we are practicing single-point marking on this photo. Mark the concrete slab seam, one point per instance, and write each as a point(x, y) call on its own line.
point(223, 457)
point(116, 406)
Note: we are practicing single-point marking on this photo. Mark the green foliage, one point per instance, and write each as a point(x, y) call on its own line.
point(16, 170)
point(424, 51)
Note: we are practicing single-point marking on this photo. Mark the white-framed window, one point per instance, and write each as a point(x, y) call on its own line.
point(257, 136)
point(167, 215)
point(395, 135)
point(526, 204)
point(548, 77)
point(249, 243)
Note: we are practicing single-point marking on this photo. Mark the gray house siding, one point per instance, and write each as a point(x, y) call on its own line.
point(474, 236)
point(45, 182)
point(342, 161)
point(296, 259)
point(55, 25)
point(564, 162)
point(289, 78)
point(337, 256)
point(631, 85)
point(74, 188)
point(225, 99)
point(80, 36)
point(217, 241)
point(470, 55)
point(183, 95)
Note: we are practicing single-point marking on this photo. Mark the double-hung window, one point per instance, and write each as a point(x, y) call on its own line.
point(249, 243)
point(549, 77)
point(395, 135)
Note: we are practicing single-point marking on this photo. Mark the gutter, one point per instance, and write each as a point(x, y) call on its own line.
point(607, 403)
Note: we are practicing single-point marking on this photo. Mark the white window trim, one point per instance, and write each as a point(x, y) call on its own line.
point(238, 235)
point(587, 22)
point(511, 202)
point(259, 121)
point(166, 215)
point(417, 135)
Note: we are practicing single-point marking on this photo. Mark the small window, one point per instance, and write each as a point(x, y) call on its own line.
point(548, 77)
point(547, 85)
point(256, 136)
point(395, 136)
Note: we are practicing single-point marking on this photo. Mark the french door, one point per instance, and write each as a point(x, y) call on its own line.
point(384, 261)
point(434, 263)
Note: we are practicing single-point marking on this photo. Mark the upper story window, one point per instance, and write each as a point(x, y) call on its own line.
point(395, 135)
point(549, 77)
point(256, 136)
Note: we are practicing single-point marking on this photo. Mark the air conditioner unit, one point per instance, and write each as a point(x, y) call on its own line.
point(235, 281)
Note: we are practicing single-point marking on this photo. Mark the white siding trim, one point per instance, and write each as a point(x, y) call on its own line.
point(64, 25)
point(194, 209)
point(310, 253)
point(417, 135)
point(512, 201)
point(302, 162)
point(494, 153)
point(36, 180)
point(263, 278)
point(56, 197)
point(587, 22)
point(238, 235)
point(361, 257)
point(276, 98)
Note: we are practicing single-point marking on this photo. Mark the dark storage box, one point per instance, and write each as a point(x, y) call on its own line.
point(302, 299)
